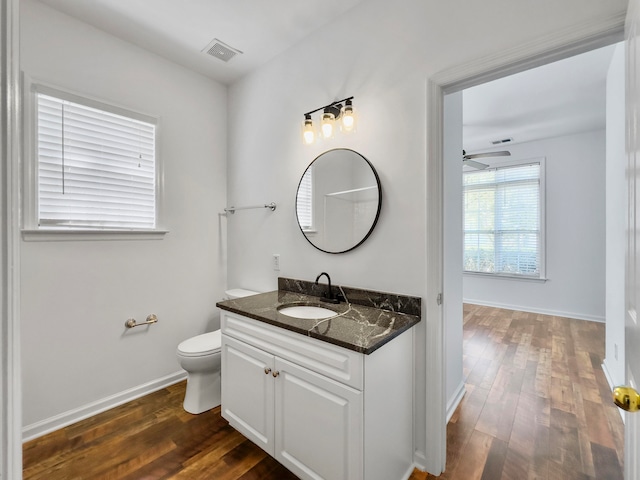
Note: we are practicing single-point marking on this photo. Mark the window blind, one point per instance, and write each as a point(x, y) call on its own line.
point(502, 220)
point(96, 169)
point(304, 200)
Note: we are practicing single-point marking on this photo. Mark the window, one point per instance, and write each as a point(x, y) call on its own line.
point(95, 165)
point(304, 200)
point(502, 221)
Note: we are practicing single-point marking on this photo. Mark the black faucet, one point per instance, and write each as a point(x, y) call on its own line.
point(329, 298)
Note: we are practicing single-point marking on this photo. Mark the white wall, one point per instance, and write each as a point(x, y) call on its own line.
point(575, 234)
point(76, 295)
point(383, 56)
point(616, 218)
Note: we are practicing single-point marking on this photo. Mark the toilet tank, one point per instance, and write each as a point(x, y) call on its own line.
point(238, 293)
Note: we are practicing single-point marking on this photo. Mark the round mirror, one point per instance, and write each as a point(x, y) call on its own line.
point(338, 201)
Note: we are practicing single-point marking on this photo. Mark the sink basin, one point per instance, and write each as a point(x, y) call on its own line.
point(307, 312)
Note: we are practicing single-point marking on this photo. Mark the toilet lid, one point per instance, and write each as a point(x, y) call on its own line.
point(201, 345)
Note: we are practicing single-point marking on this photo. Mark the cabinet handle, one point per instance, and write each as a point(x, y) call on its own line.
point(275, 374)
point(267, 371)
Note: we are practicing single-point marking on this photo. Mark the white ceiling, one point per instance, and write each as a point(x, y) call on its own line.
point(179, 30)
point(557, 99)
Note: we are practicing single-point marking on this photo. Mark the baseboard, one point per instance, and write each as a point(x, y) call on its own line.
point(521, 308)
point(419, 461)
point(69, 417)
point(409, 472)
point(455, 400)
point(607, 375)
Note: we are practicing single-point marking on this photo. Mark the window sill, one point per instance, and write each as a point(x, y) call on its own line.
point(518, 278)
point(53, 235)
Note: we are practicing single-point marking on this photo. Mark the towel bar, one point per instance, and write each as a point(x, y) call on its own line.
point(132, 321)
point(232, 210)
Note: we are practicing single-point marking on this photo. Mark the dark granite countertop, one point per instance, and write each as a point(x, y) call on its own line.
point(356, 326)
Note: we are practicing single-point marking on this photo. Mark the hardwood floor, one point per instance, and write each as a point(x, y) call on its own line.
point(537, 407)
point(150, 438)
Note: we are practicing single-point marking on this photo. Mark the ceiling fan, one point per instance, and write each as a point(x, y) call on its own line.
point(468, 159)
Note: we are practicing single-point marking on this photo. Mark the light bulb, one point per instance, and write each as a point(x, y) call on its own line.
point(347, 121)
point(348, 117)
point(328, 120)
point(308, 135)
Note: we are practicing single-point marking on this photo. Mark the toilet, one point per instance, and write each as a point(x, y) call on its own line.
point(200, 357)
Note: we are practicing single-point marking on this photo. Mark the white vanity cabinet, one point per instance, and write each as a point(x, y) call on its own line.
point(323, 411)
point(248, 403)
point(299, 417)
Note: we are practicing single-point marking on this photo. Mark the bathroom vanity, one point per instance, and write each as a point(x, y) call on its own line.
point(329, 399)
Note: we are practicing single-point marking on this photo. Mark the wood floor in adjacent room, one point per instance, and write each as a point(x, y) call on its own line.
point(537, 406)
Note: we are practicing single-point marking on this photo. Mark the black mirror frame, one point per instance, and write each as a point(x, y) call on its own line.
point(375, 221)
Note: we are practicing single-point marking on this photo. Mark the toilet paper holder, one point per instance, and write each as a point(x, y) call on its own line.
point(150, 320)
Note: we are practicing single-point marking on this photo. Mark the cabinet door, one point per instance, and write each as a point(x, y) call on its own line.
point(248, 391)
point(318, 425)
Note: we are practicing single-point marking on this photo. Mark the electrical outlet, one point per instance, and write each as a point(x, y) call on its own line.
point(615, 350)
point(276, 262)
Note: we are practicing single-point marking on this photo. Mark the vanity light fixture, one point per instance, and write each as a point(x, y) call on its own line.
point(330, 114)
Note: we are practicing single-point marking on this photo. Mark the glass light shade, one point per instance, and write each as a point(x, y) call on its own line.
point(308, 133)
point(328, 120)
point(348, 118)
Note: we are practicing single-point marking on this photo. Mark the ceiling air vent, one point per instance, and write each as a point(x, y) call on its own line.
point(500, 142)
point(220, 50)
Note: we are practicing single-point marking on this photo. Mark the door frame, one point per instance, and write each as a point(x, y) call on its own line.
point(567, 43)
point(10, 377)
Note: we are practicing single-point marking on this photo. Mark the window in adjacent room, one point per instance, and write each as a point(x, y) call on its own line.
point(95, 165)
point(503, 218)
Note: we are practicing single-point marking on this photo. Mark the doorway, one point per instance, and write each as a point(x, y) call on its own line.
point(571, 147)
point(442, 345)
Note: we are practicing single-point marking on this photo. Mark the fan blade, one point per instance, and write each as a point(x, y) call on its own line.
point(503, 153)
point(477, 165)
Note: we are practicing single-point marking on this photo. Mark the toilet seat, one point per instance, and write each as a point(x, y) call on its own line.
point(201, 345)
